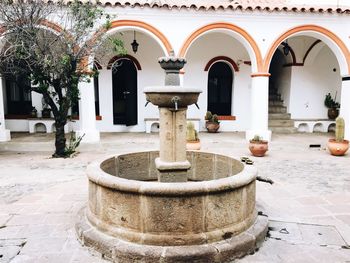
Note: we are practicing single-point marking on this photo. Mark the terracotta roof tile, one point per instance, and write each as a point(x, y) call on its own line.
point(321, 6)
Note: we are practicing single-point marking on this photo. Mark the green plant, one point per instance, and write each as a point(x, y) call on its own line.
point(191, 133)
point(211, 117)
point(73, 144)
point(339, 129)
point(257, 139)
point(331, 103)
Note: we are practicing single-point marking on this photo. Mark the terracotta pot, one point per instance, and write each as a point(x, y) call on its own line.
point(333, 113)
point(258, 149)
point(193, 145)
point(338, 148)
point(212, 126)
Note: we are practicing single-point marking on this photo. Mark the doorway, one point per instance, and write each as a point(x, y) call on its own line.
point(220, 89)
point(124, 79)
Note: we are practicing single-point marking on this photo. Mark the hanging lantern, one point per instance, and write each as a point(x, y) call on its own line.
point(134, 44)
point(286, 48)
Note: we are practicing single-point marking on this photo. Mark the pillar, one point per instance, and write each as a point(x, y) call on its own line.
point(87, 114)
point(172, 163)
point(260, 107)
point(345, 104)
point(4, 134)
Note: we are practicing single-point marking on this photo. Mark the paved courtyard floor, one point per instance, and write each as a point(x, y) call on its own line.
point(308, 206)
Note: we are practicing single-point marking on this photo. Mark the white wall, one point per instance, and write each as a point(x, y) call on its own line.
point(200, 53)
point(311, 83)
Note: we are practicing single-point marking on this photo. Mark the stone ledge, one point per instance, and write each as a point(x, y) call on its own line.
point(121, 251)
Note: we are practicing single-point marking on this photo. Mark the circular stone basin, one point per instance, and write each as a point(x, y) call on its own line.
point(132, 218)
point(163, 96)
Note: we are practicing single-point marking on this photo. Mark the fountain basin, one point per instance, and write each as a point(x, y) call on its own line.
point(130, 215)
point(162, 96)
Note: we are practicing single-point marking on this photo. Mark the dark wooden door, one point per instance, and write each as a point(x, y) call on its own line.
point(124, 76)
point(220, 89)
point(19, 100)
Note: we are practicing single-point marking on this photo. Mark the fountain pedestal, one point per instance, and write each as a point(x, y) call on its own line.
point(172, 101)
point(172, 163)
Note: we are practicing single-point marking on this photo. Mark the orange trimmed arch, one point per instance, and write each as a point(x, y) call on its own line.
point(51, 25)
point(143, 25)
point(313, 28)
point(227, 26)
point(222, 58)
point(116, 58)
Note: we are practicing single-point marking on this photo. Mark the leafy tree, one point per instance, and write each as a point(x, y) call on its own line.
point(52, 59)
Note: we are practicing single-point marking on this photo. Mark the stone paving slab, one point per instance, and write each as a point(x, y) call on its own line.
point(40, 197)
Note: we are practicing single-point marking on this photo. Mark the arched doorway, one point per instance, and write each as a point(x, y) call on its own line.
point(124, 79)
point(220, 80)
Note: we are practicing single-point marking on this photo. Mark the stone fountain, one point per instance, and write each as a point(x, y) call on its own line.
point(171, 205)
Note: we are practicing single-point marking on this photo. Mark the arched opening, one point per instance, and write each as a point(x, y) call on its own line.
point(124, 85)
point(220, 79)
point(40, 128)
point(117, 114)
point(297, 87)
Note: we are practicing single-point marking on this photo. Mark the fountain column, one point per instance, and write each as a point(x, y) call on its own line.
point(172, 164)
point(172, 100)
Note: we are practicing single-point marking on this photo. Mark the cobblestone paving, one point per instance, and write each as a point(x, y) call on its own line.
point(308, 206)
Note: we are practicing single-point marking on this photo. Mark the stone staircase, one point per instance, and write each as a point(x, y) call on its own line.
point(279, 120)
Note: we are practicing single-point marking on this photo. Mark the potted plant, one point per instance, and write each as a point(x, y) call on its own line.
point(338, 146)
point(332, 105)
point(46, 111)
point(257, 146)
point(33, 112)
point(212, 123)
point(192, 140)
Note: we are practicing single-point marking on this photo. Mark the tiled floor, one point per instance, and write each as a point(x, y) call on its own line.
point(308, 205)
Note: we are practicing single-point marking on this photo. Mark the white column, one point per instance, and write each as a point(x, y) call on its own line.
point(345, 104)
point(87, 114)
point(4, 134)
point(260, 107)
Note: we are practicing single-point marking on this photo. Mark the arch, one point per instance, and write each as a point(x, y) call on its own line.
point(318, 127)
point(222, 58)
point(313, 52)
point(116, 58)
point(242, 36)
point(332, 40)
point(46, 23)
point(40, 127)
point(331, 127)
point(290, 55)
point(310, 48)
point(118, 25)
point(303, 127)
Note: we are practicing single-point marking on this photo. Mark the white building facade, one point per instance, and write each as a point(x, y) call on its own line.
point(236, 53)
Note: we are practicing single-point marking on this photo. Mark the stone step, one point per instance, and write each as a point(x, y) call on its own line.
point(283, 130)
point(281, 123)
point(279, 116)
point(277, 109)
point(276, 102)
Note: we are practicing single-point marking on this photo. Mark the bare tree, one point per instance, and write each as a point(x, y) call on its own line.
point(53, 59)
